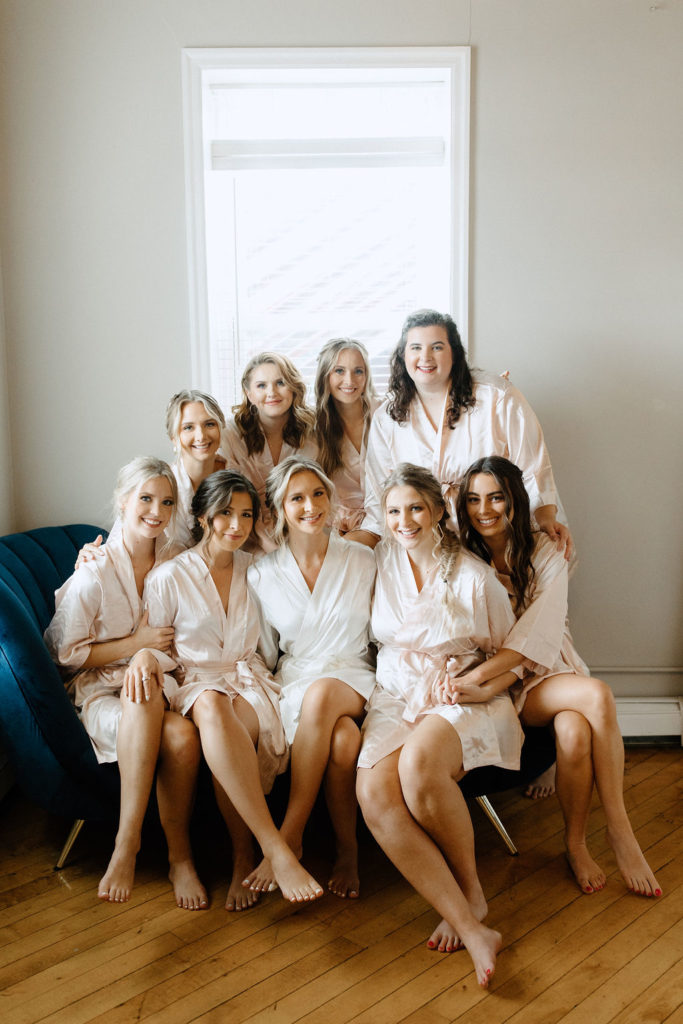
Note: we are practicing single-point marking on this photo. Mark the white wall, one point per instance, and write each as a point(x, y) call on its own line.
point(576, 255)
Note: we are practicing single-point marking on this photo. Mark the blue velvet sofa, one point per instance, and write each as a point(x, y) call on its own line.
point(52, 757)
point(53, 760)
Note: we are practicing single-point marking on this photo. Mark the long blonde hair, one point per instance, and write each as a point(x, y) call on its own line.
point(329, 428)
point(174, 410)
point(132, 477)
point(447, 546)
point(278, 482)
point(300, 421)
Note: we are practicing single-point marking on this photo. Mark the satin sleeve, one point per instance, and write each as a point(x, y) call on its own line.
point(161, 603)
point(71, 634)
point(527, 447)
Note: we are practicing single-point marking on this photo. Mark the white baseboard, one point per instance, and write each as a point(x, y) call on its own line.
point(650, 716)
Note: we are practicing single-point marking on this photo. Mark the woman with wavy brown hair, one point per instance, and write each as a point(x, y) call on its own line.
point(271, 423)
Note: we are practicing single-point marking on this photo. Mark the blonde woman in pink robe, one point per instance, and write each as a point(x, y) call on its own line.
point(441, 415)
point(272, 423)
point(98, 626)
point(221, 682)
point(556, 689)
point(434, 606)
point(194, 424)
point(314, 594)
point(345, 401)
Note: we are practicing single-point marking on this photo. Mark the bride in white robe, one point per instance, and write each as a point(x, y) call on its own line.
point(98, 626)
point(222, 684)
point(314, 593)
point(433, 606)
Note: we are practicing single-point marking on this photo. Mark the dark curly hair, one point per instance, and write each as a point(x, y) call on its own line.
point(520, 539)
point(401, 389)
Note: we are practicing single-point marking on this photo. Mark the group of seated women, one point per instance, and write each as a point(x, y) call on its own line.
point(237, 605)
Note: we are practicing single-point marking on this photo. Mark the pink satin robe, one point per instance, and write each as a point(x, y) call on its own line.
point(541, 632)
point(99, 602)
point(418, 634)
point(256, 468)
point(214, 650)
point(501, 423)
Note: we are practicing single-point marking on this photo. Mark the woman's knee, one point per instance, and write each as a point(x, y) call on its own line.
point(345, 743)
point(600, 701)
point(180, 739)
point(374, 795)
point(572, 735)
point(211, 705)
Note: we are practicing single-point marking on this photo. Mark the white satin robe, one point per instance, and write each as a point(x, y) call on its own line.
point(501, 423)
point(349, 483)
point(541, 632)
point(256, 468)
point(321, 634)
point(99, 602)
point(214, 650)
point(418, 634)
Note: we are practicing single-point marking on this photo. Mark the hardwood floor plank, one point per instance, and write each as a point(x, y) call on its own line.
point(658, 1002)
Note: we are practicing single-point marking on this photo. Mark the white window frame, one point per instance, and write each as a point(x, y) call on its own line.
point(195, 61)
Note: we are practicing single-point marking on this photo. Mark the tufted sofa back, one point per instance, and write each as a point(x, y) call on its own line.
point(53, 759)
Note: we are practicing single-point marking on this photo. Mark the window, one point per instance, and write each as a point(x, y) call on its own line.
point(327, 197)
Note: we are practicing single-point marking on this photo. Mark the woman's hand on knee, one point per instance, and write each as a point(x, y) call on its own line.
point(142, 678)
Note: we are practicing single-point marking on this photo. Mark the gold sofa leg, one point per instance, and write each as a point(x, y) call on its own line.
point(488, 810)
point(71, 839)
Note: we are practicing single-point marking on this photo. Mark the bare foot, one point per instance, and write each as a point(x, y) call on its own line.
point(190, 894)
point(542, 786)
point(483, 945)
point(634, 868)
point(295, 882)
point(116, 884)
point(239, 897)
point(261, 879)
point(588, 874)
point(344, 880)
point(444, 938)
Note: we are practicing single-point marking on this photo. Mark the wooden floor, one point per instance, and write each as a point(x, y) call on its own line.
point(66, 958)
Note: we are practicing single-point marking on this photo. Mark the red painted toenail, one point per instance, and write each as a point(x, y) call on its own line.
point(431, 944)
point(658, 892)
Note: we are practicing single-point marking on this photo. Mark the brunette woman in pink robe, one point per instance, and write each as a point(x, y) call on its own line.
point(221, 682)
point(98, 626)
point(433, 607)
point(556, 689)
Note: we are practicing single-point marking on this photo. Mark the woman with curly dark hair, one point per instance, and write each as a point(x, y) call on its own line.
point(441, 415)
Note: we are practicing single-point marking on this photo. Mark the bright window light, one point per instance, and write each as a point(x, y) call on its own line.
point(327, 193)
